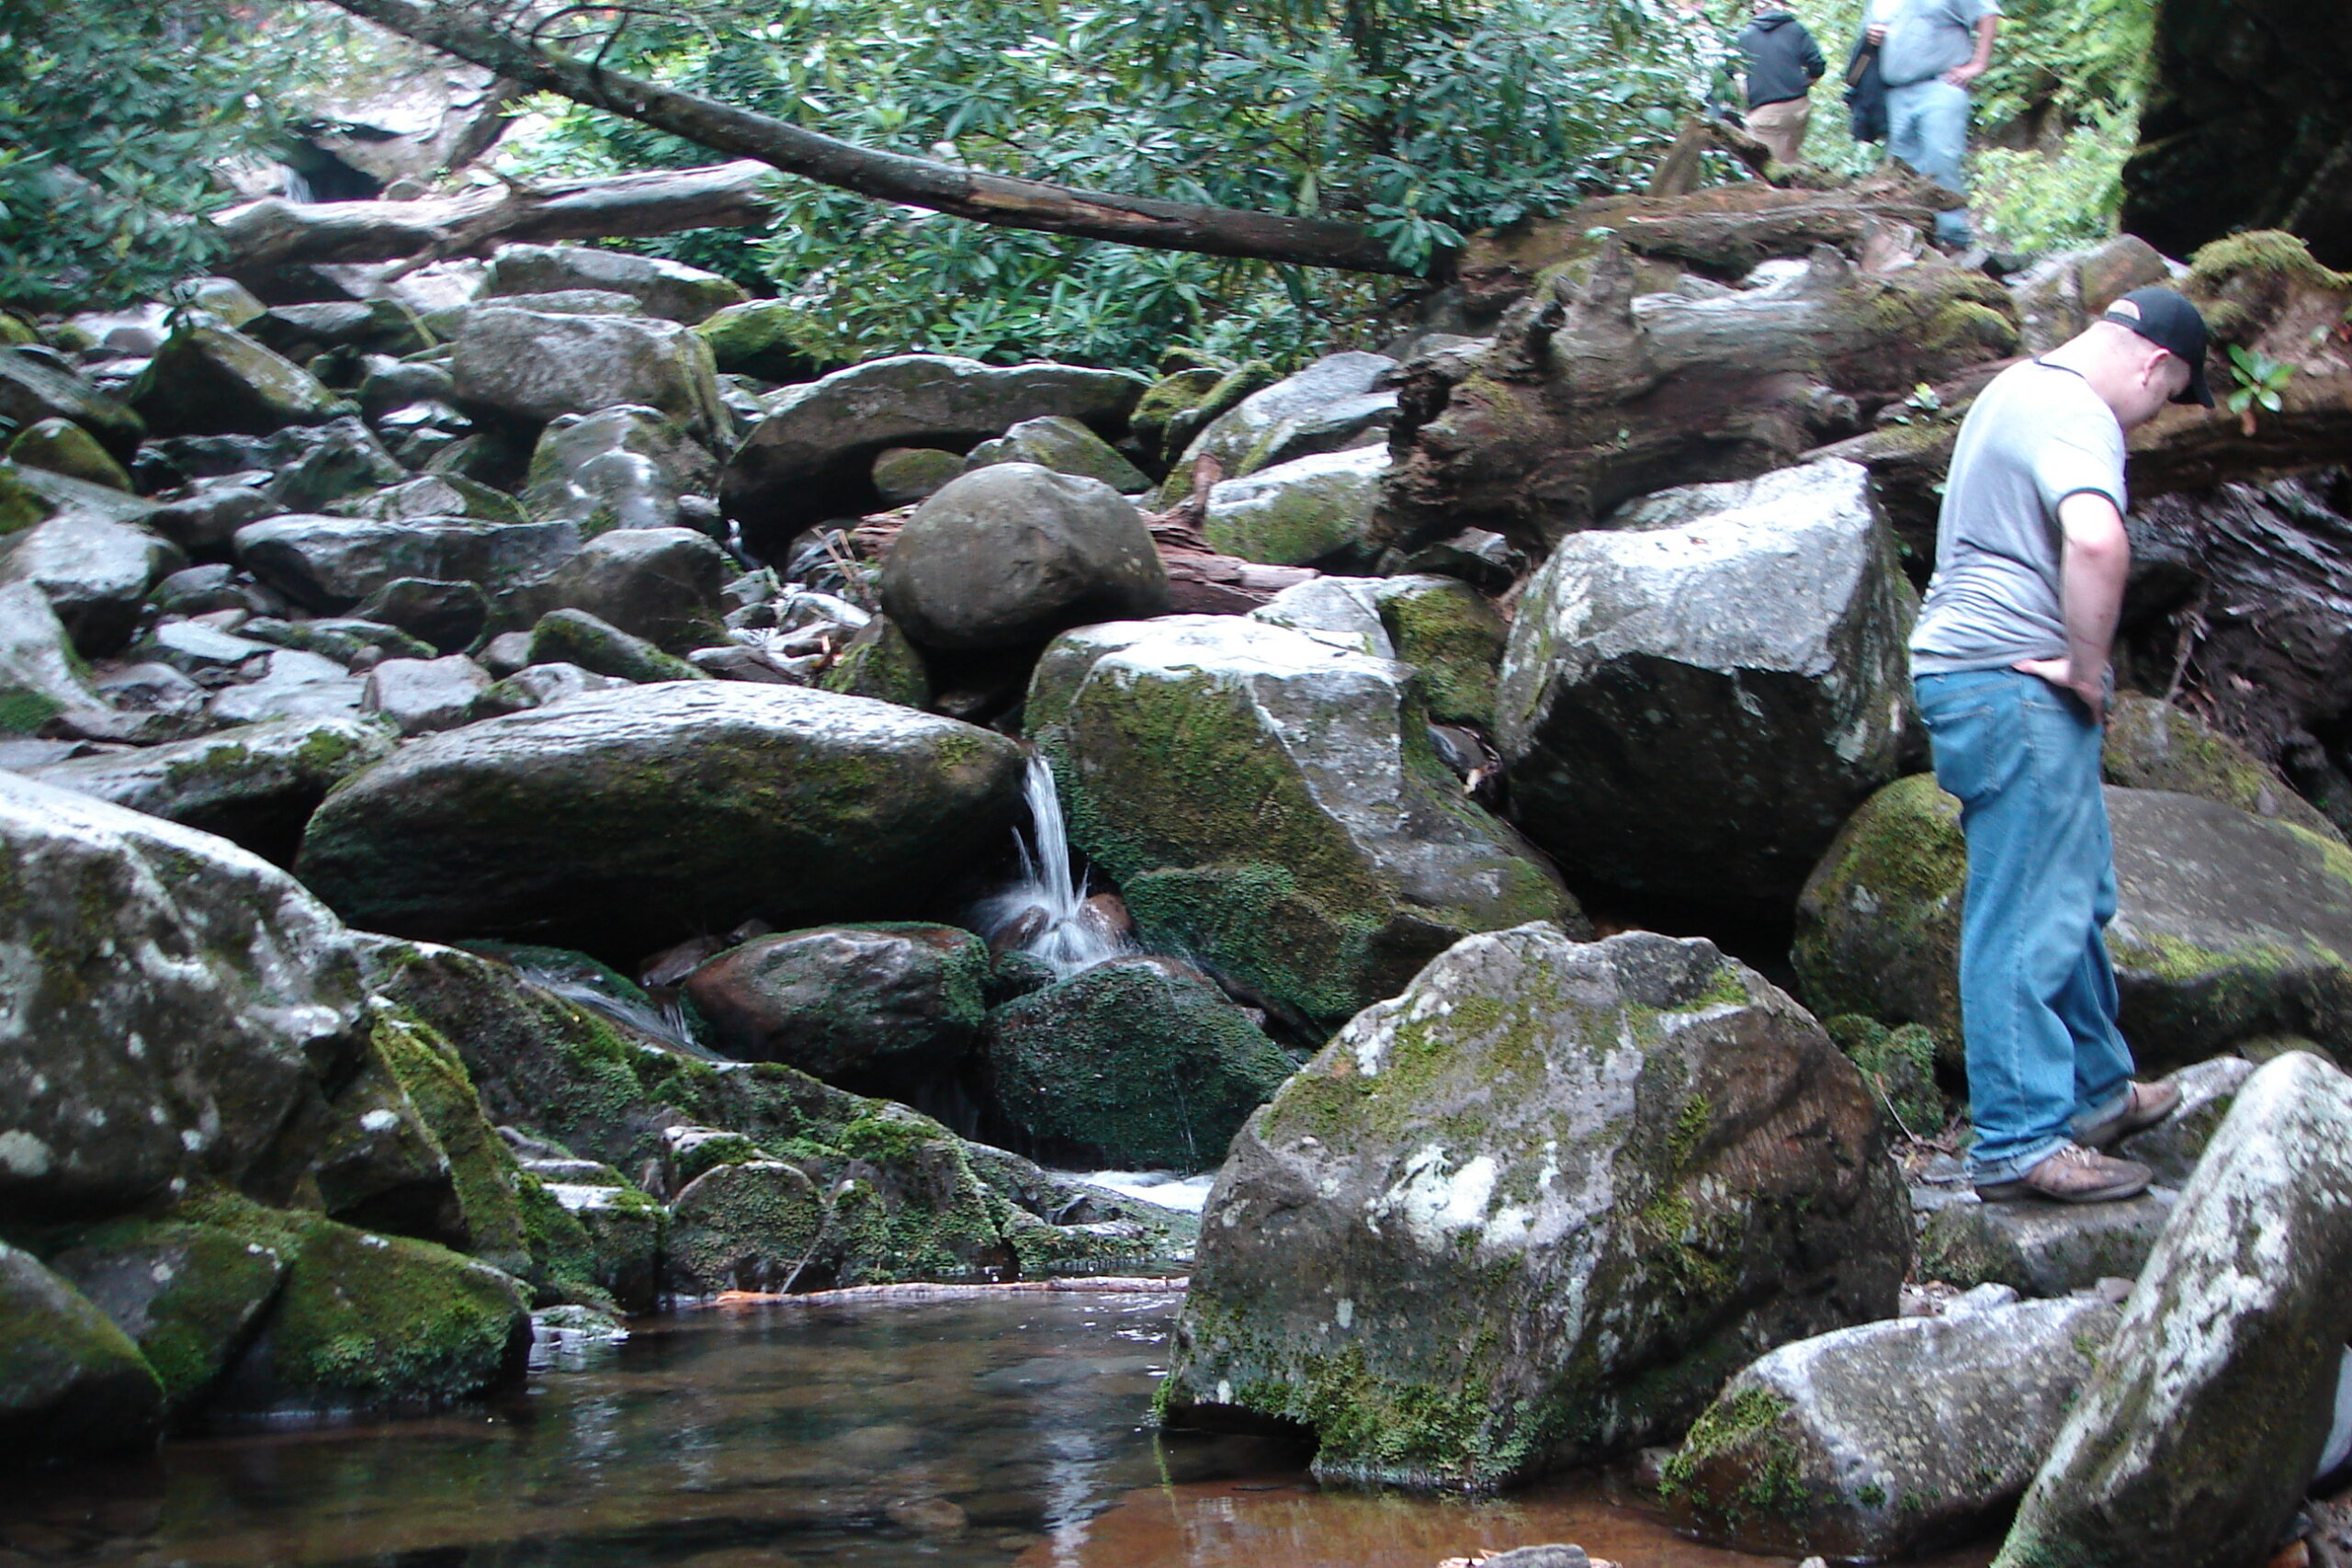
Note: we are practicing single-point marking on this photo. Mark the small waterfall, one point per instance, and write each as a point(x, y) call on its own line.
point(1045, 913)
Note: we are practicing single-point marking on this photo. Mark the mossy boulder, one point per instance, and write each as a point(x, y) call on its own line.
point(2228, 926)
point(903, 475)
point(1137, 1062)
point(2043, 1249)
point(745, 1225)
point(1890, 1439)
point(2152, 744)
point(758, 337)
point(1899, 1065)
point(1535, 1211)
point(1064, 444)
point(210, 380)
point(622, 821)
point(575, 640)
point(40, 674)
point(1309, 512)
point(884, 1009)
point(178, 1009)
point(36, 387)
point(879, 663)
point(1337, 401)
point(72, 1384)
point(1453, 635)
point(62, 446)
point(1271, 804)
point(1175, 395)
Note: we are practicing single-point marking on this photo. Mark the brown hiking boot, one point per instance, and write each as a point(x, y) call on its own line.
point(2149, 1104)
point(2073, 1175)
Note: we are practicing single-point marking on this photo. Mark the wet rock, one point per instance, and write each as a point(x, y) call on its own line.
point(195, 648)
point(907, 474)
point(154, 703)
point(40, 677)
point(619, 468)
point(204, 520)
point(62, 446)
point(505, 653)
point(210, 380)
point(576, 639)
point(330, 564)
point(2172, 1147)
point(293, 684)
point(1309, 512)
point(883, 1010)
point(191, 995)
point(22, 505)
point(433, 495)
point(1887, 1439)
point(537, 686)
point(1064, 444)
point(420, 695)
point(72, 1385)
point(1010, 555)
point(625, 1230)
point(808, 459)
point(1692, 705)
point(95, 573)
point(1141, 1061)
point(391, 385)
point(2230, 927)
point(2229, 1347)
point(1478, 556)
point(758, 337)
point(879, 663)
point(34, 387)
point(1271, 804)
point(776, 801)
point(748, 1226)
point(383, 1167)
point(2043, 1249)
point(254, 785)
point(2152, 744)
point(671, 290)
point(660, 584)
point(307, 468)
point(378, 326)
point(202, 590)
point(532, 367)
point(352, 641)
point(1333, 403)
point(1535, 1210)
point(447, 615)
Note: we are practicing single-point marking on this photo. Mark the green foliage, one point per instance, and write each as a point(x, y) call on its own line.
point(1424, 118)
point(112, 113)
point(2049, 201)
point(2259, 379)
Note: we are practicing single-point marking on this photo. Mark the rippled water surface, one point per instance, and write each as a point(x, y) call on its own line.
point(1001, 1433)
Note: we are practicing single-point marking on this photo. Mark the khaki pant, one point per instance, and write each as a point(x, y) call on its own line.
point(1781, 126)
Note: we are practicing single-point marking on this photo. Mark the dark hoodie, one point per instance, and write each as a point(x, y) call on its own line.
point(1783, 63)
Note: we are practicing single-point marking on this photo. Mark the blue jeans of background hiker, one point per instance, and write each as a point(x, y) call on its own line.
point(1926, 127)
point(2037, 996)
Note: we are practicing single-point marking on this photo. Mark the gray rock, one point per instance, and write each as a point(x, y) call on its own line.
point(34, 387)
point(2151, 744)
point(330, 564)
point(907, 474)
point(1480, 558)
point(532, 367)
point(1270, 803)
point(419, 696)
point(188, 993)
point(72, 1384)
point(810, 459)
point(2043, 1249)
point(666, 289)
point(759, 337)
point(1694, 710)
point(447, 615)
point(505, 653)
point(300, 470)
point(1886, 1439)
point(95, 573)
point(577, 637)
point(2228, 1350)
point(1344, 611)
point(661, 584)
point(2172, 1147)
point(298, 331)
point(205, 518)
point(553, 302)
point(1302, 512)
point(62, 446)
point(208, 379)
point(433, 495)
point(2060, 295)
point(619, 468)
point(774, 801)
point(194, 647)
point(156, 702)
point(350, 640)
point(1066, 445)
point(200, 590)
point(2230, 928)
point(40, 676)
point(1329, 405)
point(391, 385)
point(294, 684)
point(254, 785)
point(1553, 1555)
point(1010, 555)
point(1555, 1190)
point(1450, 633)
point(537, 685)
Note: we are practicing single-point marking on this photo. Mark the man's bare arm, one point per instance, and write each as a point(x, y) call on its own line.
point(2096, 556)
point(1982, 62)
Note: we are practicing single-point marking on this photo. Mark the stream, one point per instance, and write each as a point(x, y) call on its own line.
point(1003, 1432)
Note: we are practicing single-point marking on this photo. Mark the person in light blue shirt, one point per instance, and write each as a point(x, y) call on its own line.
point(1930, 51)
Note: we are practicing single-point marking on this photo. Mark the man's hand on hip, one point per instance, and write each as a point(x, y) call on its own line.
point(2060, 673)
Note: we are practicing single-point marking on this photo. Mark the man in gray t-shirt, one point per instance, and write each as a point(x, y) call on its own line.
point(1930, 51)
point(2009, 659)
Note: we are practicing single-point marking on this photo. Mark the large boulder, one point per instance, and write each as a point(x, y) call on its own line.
point(621, 820)
point(2043, 1249)
point(576, 639)
point(881, 1008)
point(661, 584)
point(255, 785)
point(2195, 1438)
point(94, 572)
point(530, 367)
point(1889, 1439)
point(1137, 1062)
point(176, 1008)
point(1535, 1211)
point(1007, 556)
point(1062, 443)
point(2152, 744)
point(1309, 512)
point(417, 696)
point(2228, 926)
point(671, 290)
point(1271, 804)
point(1338, 401)
point(34, 387)
point(1692, 704)
point(62, 446)
point(72, 1384)
point(40, 675)
point(209, 380)
point(810, 458)
point(618, 468)
point(330, 564)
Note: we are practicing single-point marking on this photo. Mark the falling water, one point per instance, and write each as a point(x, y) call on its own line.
point(1045, 913)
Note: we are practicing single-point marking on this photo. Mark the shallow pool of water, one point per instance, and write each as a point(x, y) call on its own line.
point(1007, 1432)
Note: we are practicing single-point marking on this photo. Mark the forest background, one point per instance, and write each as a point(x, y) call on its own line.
point(1427, 120)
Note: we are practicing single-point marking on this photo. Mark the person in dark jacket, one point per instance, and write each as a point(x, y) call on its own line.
point(1783, 63)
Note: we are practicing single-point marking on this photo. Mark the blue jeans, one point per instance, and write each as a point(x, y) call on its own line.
point(2037, 996)
point(1926, 127)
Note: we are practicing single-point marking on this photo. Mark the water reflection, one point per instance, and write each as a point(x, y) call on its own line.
point(1004, 1433)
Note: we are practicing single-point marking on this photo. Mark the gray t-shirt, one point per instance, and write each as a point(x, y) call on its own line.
point(1929, 37)
point(2034, 436)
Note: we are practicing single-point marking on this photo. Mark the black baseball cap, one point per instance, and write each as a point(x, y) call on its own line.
point(2171, 323)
